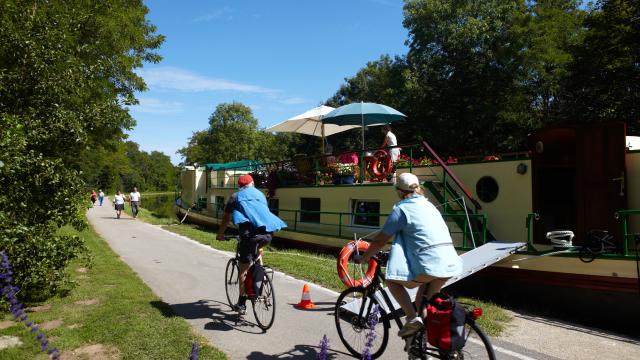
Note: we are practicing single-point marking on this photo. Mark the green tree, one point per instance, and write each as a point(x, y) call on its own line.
point(66, 70)
point(382, 81)
point(548, 31)
point(233, 135)
point(464, 63)
point(605, 80)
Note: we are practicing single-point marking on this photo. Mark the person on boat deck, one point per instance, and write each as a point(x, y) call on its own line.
point(328, 154)
point(422, 253)
point(389, 141)
point(248, 209)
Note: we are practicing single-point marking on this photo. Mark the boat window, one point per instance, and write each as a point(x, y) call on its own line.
point(274, 206)
point(487, 189)
point(309, 204)
point(361, 207)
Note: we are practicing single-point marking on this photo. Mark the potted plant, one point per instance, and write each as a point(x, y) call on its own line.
point(343, 173)
point(287, 177)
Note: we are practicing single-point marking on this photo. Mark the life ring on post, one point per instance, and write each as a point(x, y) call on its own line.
point(381, 165)
point(343, 264)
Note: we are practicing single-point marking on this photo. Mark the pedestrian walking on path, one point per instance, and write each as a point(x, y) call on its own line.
point(93, 197)
point(118, 203)
point(135, 201)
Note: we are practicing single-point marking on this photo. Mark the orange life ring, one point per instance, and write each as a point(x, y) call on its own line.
point(343, 264)
point(381, 165)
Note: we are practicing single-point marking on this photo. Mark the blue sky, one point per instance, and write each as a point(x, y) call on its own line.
point(279, 57)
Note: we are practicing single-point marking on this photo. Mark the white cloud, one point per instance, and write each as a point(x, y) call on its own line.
point(293, 101)
point(389, 3)
point(157, 106)
point(183, 80)
point(222, 13)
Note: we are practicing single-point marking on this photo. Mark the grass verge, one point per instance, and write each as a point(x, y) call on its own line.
point(111, 309)
point(321, 269)
point(150, 217)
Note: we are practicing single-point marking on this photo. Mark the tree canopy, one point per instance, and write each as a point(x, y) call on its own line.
point(233, 135)
point(66, 74)
point(480, 76)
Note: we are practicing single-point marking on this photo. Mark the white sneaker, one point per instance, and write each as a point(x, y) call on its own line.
point(411, 327)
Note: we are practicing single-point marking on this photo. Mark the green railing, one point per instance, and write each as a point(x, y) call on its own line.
point(531, 217)
point(315, 170)
point(342, 225)
point(321, 170)
point(624, 215)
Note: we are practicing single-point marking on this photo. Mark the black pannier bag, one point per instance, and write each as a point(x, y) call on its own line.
point(257, 278)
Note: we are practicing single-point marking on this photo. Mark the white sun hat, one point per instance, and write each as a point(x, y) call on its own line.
point(407, 182)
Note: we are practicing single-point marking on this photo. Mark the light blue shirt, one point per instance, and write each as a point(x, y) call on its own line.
point(250, 205)
point(422, 243)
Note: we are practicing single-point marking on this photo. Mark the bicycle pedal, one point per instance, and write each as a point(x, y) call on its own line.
point(408, 341)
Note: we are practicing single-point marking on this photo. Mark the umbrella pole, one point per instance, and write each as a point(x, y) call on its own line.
point(322, 130)
point(362, 123)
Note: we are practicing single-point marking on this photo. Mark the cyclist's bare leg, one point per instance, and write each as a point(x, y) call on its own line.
point(434, 287)
point(396, 287)
point(259, 257)
point(419, 300)
point(243, 275)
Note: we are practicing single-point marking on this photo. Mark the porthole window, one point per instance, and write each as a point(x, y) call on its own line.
point(487, 189)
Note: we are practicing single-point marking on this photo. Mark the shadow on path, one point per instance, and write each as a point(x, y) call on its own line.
point(221, 316)
point(298, 352)
point(320, 306)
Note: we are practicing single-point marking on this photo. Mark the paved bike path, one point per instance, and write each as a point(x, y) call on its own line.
point(189, 277)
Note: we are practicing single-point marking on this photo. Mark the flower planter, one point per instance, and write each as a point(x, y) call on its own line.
point(343, 179)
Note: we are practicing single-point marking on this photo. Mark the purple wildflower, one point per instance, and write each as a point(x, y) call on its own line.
point(194, 352)
point(324, 348)
point(17, 310)
point(372, 321)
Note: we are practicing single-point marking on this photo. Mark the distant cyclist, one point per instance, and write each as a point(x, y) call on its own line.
point(422, 253)
point(249, 211)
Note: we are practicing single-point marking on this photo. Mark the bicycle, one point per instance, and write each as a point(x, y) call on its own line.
point(369, 323)
point(264, 301)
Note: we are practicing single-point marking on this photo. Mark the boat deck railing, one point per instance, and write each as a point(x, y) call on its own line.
point(355, 168)
point(630, 239)
point(345, 224)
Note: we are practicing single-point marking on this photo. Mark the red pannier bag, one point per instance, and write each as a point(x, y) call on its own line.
point(445, 323)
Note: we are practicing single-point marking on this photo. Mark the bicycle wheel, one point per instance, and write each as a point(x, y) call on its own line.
point(357, 327)
point(477, 346)
point(231, 282)
point(264, 306)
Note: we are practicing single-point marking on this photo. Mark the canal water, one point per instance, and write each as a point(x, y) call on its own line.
point(159, 205)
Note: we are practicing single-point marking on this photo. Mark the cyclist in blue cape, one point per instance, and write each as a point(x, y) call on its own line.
point(248, 209)
point(422, 252)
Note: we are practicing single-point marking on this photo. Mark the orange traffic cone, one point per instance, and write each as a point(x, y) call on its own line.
point(305, 302)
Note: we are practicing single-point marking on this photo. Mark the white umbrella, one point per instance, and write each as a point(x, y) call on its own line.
point(309, 123)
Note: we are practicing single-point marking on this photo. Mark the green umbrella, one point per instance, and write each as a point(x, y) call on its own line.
point(363, 114)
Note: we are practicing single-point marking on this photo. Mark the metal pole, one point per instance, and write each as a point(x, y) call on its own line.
point(322, 129)
point(362, 122)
